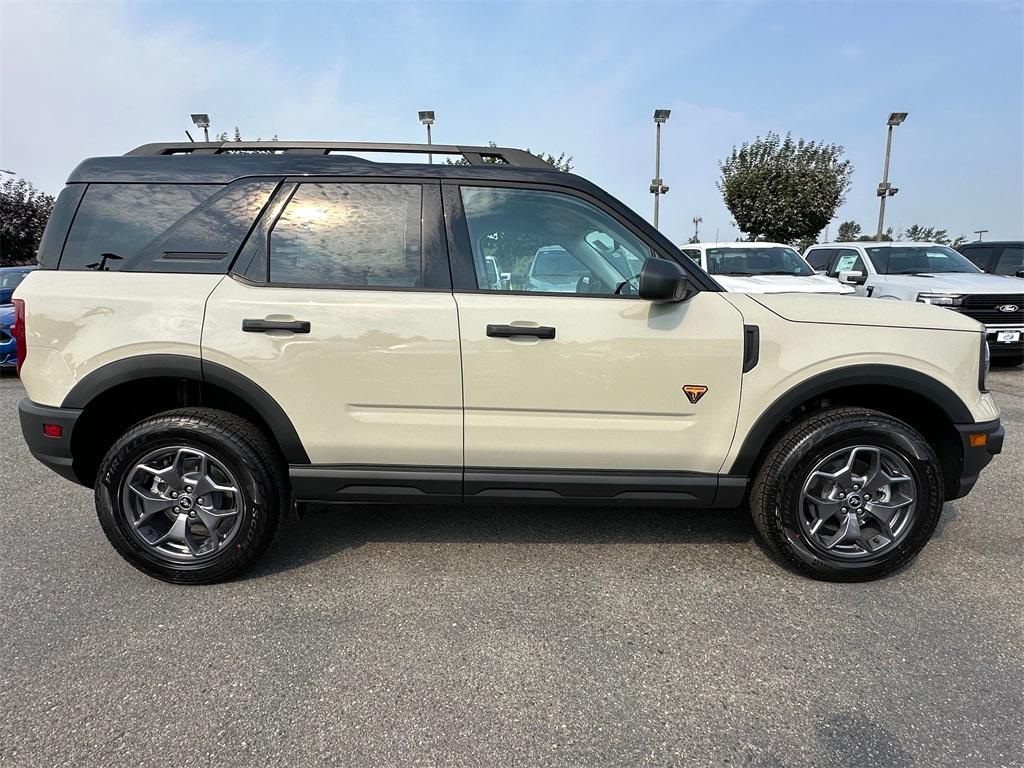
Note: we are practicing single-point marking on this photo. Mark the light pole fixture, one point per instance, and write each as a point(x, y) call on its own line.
point(427, 118)
point(979, 233)
point(202, 120)
point(885, 189)
point(657, 187)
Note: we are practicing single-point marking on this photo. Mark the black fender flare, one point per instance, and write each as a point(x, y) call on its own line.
point(190, 368)
point(912, 382)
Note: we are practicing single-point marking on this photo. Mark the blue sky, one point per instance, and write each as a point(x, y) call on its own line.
point(91, 79)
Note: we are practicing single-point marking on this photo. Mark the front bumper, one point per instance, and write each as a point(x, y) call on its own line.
point(54, 452)
point(976, 457)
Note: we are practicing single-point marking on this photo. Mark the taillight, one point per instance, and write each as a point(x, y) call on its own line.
point(18, 332)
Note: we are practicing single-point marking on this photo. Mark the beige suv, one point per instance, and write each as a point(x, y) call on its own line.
point(216, 332)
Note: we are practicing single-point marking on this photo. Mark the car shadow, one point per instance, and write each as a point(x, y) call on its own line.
point(324, 530)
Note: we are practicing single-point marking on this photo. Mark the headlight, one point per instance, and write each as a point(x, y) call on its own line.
point(984, 364)
point(941, 299)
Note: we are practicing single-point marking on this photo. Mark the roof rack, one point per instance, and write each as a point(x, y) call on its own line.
point(473, 155)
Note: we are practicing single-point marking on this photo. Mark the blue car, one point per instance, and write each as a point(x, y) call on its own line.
point(8, 356)
point(9, 279)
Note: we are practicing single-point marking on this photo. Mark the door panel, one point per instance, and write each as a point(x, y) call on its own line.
point(607, 391)
point(376, 379)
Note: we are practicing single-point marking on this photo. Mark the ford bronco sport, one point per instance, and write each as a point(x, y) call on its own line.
point(218, 331)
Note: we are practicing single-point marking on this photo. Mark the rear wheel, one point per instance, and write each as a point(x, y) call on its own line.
point(848, 494)
point(191, 495)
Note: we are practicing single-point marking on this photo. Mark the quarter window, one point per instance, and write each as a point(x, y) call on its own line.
point(122, 219)
point(548, 242)
point(349, 235)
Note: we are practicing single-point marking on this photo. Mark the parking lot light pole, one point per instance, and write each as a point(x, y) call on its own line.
point(427, 118)
point(202, 120)
point(696, 227)
point(979, 233)
point(885, 189)
point(657, 188)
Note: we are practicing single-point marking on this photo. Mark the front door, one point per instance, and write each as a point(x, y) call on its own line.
point(566, 368)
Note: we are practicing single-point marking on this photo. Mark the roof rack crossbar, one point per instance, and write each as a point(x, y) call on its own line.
point(472, 155)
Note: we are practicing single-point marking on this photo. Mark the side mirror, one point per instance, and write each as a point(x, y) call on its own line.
point(1020, 273)
point(852, 277)
point(663, 280)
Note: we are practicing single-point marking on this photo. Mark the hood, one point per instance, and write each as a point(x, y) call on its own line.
point(859, 310)
point(781, 284)
point(956, 282)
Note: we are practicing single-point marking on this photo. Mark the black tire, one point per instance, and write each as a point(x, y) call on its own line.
point(239, 447)
point(777, 499)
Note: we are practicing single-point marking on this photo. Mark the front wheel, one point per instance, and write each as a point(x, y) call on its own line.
point(848, 494)
point(191, 495)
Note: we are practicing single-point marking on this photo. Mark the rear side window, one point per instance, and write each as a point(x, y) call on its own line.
point(122, 219)
point(349, 236)
point(818, 259)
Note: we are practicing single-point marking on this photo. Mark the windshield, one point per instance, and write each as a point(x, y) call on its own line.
point(557, 262)
point(770, 260)
point(918, 259)
point(11, 279)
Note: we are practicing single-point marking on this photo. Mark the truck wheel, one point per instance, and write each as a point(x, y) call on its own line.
point(192, 495)
point(848, 494)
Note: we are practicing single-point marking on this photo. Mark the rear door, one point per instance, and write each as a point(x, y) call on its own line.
point(585, 376)
point(340, 307)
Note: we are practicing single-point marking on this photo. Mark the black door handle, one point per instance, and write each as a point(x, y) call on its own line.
point(507, 331)
point(262, 326)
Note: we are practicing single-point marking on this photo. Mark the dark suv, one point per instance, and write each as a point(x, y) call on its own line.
point(998, 258)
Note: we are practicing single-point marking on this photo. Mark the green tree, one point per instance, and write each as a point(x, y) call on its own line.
point(921, 234)
point(849, 231)
point(804, 243)
point(24, 211)
point(559, 163)
point(784, 189)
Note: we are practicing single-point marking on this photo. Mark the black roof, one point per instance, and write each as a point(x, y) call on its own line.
point(991, 242)
point(223, 162)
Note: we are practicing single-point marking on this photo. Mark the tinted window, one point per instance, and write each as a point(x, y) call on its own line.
point(122, 219)
point(915, 259)
point(694, 255)
point(754, 260)
point(847, 260)
point(349, 235)
point(1011, 261)
point(818, 259)
point(11, 278)
point(550, 243)
point(980, 255)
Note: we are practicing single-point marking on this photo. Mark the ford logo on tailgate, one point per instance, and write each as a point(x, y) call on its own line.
point(1007, 308)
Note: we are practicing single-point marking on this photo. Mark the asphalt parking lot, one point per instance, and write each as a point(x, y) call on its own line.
point(408, 636)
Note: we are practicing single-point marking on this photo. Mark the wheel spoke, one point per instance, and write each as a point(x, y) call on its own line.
point(849, 531)
point(152, 504)
point(176, 533)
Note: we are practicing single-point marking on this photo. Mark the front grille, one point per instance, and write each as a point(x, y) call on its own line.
point(982, 307)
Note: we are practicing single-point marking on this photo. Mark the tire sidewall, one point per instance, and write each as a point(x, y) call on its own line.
point(122, 459)
point(928, 489)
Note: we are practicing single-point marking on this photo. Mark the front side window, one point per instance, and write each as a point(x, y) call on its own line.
point(1011, 261)
point(847, 260)
point(980, 256)
point(818, 259)
point(549, 242)
point(349, 235)
point(918, 260)
point(122, 219)
point(756, 260)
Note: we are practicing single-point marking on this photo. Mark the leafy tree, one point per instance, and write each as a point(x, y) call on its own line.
point(804, 243)
point(849, 231)
point(784, 189)
point(223, 136)
point(24, 211)
point(560, 163)
point(932, 235)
